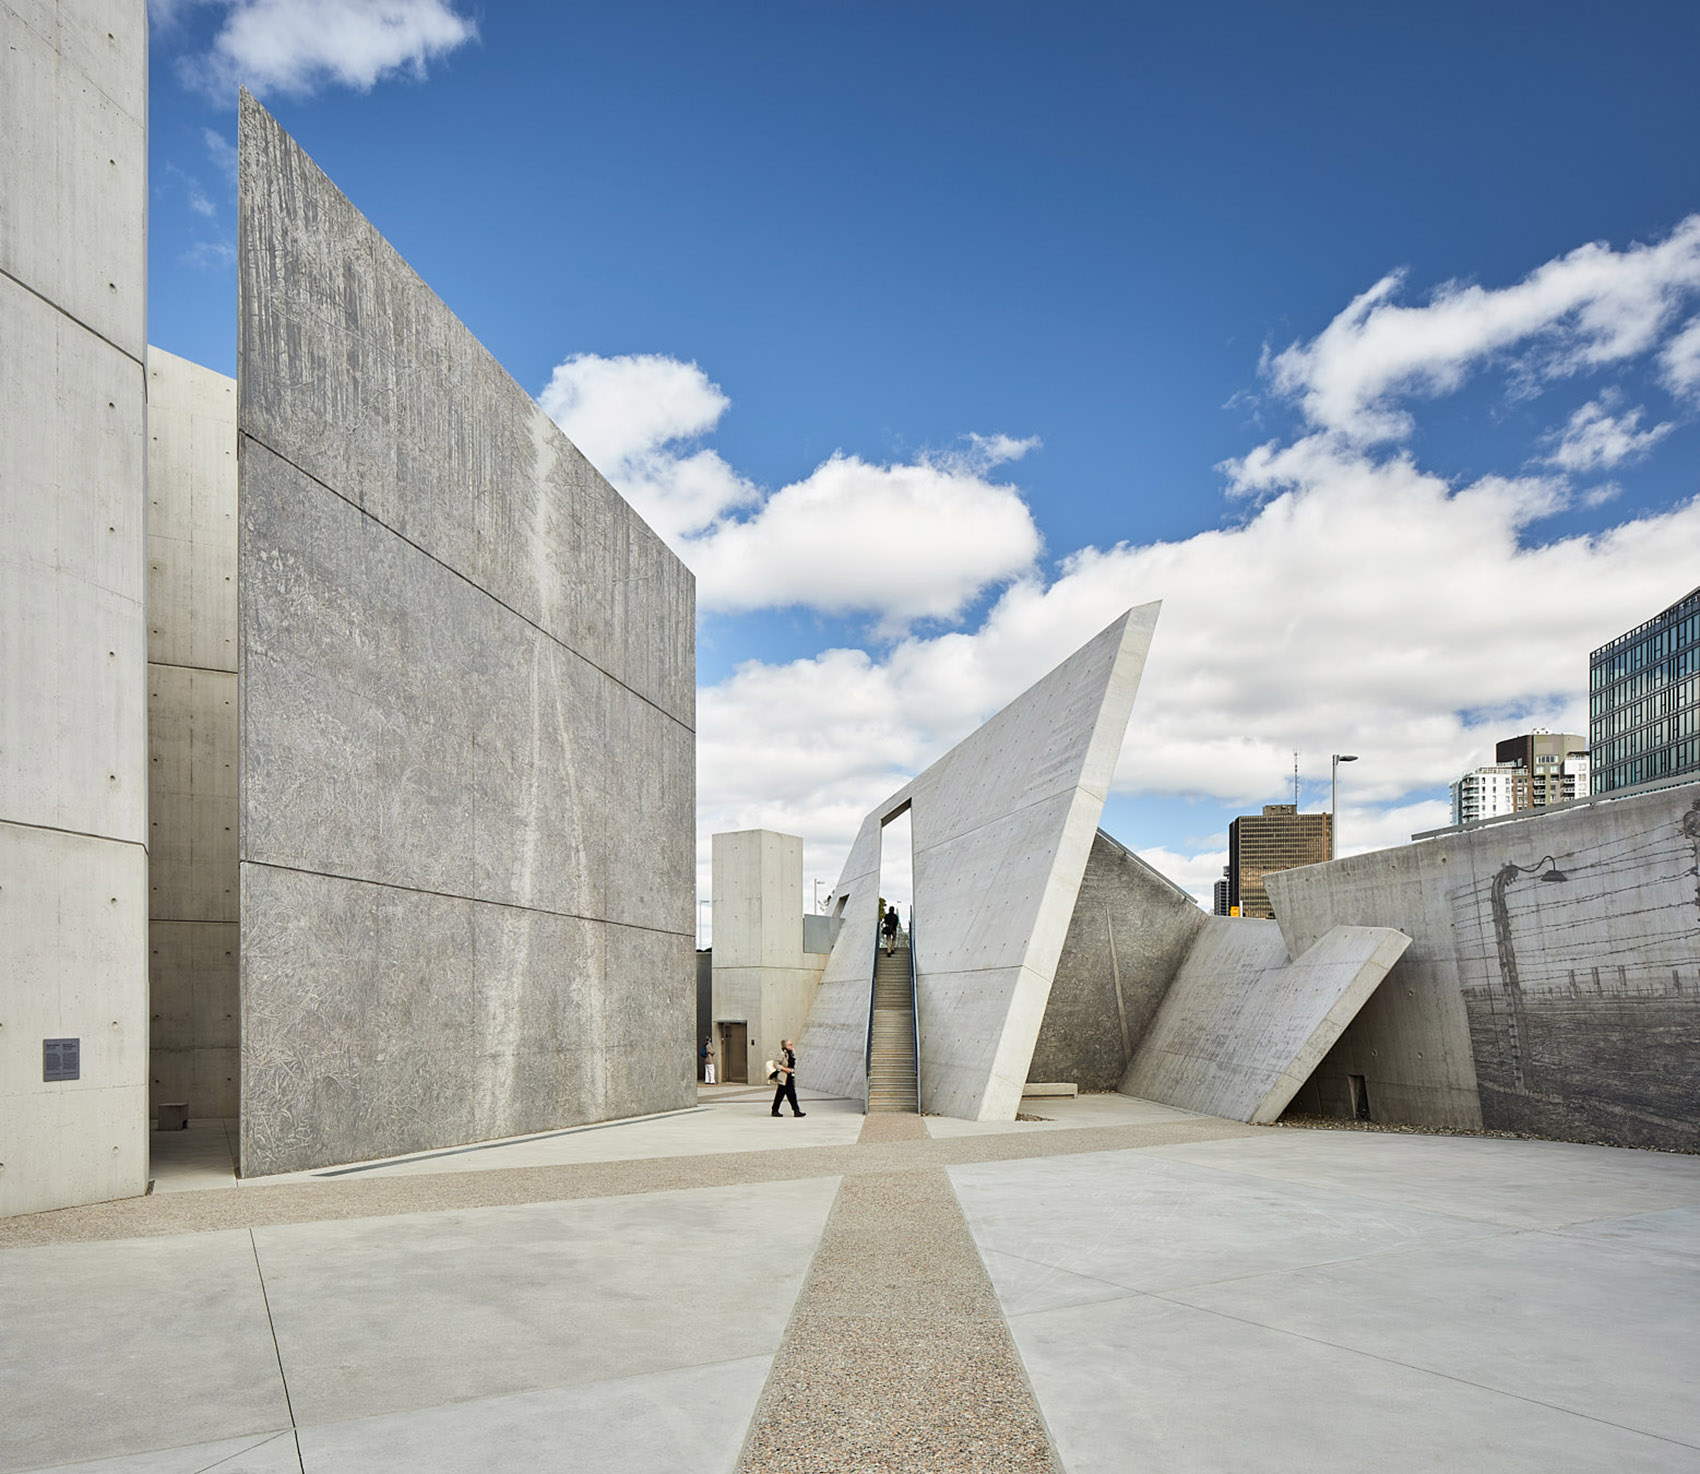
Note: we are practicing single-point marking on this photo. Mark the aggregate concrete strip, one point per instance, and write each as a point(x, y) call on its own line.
point(897, 1356)
point(378, 1197)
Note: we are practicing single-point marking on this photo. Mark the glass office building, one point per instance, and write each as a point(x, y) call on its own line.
point(1644, 700)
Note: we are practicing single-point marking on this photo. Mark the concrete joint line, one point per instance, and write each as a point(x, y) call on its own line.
point(72, 317)
point(1410, 1366)
point(419, 890)
point(271, 1325)
point(74, 833)
point(455, 572)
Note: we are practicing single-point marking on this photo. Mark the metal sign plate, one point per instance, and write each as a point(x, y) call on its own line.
point(61, 1059)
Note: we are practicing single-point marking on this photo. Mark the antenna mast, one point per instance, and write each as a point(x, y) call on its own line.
point(1295, 780)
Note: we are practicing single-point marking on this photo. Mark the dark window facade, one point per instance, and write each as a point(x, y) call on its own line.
point(1644, 700)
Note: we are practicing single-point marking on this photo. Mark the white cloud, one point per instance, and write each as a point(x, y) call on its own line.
point(222, 152)
point(1590, 307)
point(1595, 439)
point(901, 542)
point(300, 46)
point(1680, 360)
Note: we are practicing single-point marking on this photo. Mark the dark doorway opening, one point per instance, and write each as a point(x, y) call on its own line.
point(1360, 1097)
point(735, 1053)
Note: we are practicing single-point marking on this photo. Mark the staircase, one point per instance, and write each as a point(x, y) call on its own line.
point(891, 1073)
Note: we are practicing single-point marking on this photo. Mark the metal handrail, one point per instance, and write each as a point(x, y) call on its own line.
point(868, 1054)
point(915, 1011)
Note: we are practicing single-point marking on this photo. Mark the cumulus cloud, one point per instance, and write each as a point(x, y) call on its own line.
point(1365, 603)
point(298, 47)
point(1595, 439)
point(1680, 361)
point(1591, 307)
point(920, 539)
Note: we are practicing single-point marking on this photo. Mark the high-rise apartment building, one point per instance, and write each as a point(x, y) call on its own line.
point(1278, 839)
point(1219, 896)
point(1644, 700)
point(1528, 772)
point(1500, 788)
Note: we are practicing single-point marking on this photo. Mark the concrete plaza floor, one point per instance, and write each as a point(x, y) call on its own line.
point(1183, 1294)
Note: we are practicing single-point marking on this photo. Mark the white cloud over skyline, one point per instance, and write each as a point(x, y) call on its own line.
point(901, 542)
point(298, 47)
point(1365, 603)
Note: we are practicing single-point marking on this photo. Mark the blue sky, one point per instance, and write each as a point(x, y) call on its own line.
point(881, 230)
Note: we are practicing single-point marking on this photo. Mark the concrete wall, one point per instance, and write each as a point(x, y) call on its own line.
point(73, 743)
point(761, 973)
point(1001, 828)
point(192, 877)
point(1127, 939)
point(1242, 1027)
point(1578, 1001)
point(467, 731)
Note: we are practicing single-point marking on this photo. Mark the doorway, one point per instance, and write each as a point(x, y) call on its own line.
point(735, 1053)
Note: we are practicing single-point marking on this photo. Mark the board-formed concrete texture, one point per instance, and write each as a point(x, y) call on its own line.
point(1126, 941)
point(1001, 828)
point(192, 877)
point(1559, 1008)
point(1242, 1027)
point(73, 741)
point(762, 975)
point(467, 729)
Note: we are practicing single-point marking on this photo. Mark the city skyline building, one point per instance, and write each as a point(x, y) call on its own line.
point(1279, 838)
point(1529, 771)
point(1644, 700)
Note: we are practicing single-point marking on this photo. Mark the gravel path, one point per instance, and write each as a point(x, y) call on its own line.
point(897, 1356)
point(378, 1197)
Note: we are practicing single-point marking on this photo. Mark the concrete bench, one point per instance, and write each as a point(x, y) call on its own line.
point(1054, 1090)
point(173, 1116)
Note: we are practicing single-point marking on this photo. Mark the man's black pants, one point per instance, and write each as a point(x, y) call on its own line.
point(787, 1091)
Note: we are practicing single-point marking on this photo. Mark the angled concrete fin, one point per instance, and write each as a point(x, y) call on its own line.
point(1001, 826)
point(1242, 1027)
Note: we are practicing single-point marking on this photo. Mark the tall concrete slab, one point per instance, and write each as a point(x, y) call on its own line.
point(1570, 1004)
point(762, 976)
point(1001, 829)
point(1242, 1027)
point(192, 752)
point(466, 736)
point(73, 754)
point(1131, 930)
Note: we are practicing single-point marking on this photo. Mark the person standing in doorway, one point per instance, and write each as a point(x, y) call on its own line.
point(890, 927)
point(708, 1061)
point(786, 1068)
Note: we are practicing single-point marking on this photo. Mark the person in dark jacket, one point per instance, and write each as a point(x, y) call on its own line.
point(889, 926)
point(786, 1068)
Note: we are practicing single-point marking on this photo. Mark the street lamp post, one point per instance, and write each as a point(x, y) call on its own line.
point(1334, 801)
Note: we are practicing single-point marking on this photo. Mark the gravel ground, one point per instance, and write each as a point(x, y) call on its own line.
point(379, 1197)
point(897, 1356)
point(1341, 1123)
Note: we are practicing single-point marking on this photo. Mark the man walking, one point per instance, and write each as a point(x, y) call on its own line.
point(786, 1068)
point(889, 927)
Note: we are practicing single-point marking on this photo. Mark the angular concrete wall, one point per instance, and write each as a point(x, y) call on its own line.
point(73, 754)
point(761, 973)
point(467, 746)
point(1001, 829)
point(1127, 939)
point(1242, 1027)
point(1579, 1000)
point(192, 876)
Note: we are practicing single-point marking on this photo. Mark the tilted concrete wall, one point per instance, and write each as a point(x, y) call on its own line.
point(1242, 1026)
point(1580, 999)
point(1001, 829)
point(73, 743)
point(761, 973)
point(1127, 939)
point(467, 746)
point(192, 876)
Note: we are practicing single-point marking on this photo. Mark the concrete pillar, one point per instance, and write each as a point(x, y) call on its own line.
point(73, 743)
